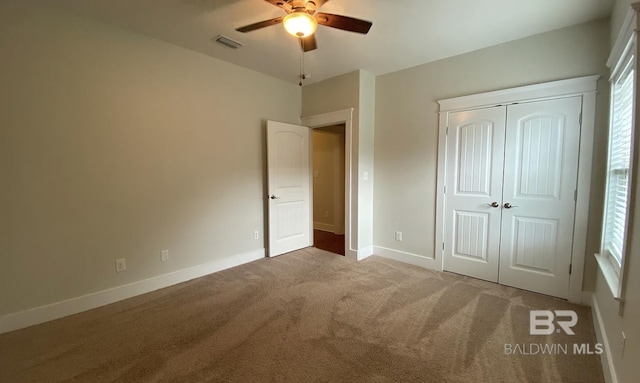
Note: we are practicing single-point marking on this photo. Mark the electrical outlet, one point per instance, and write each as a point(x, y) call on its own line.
point(164, 255)
point(398, 236)
point(256, 234)
point(326, 213)
point(121, 265)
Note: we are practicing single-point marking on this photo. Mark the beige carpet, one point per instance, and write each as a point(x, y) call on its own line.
point(307, 316)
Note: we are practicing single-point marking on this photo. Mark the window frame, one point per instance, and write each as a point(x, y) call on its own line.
point(623, 56)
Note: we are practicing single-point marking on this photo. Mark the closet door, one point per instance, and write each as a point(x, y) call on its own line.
point(475, 157)
point(538, 207)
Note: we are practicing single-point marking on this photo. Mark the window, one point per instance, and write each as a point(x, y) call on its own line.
point(618, 183)
point(619, 162)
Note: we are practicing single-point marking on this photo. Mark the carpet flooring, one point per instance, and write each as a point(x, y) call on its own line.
point(306, 316)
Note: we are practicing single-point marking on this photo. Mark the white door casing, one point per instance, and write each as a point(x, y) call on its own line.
point(510, 205)
point(540, 167)
point(582, 87)
point(475, 142)
point(288, 181)
point(351, 207)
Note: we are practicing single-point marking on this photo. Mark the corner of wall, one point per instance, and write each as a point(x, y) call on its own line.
point(606, 358)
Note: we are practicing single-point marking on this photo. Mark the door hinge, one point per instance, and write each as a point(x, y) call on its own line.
point(445, 189)
point(442, 245)
point(575, 195)
point(580, 119)
point(446, 133)
point(570, 267)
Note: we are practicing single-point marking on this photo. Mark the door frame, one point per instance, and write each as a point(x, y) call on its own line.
point(585, 87)
point(340, 117)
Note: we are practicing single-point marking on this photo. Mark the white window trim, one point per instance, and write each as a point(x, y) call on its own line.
point(626, 43)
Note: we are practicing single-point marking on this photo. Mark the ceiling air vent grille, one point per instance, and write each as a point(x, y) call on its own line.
point(224, 40)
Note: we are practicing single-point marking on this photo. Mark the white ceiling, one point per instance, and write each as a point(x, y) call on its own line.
point(405, 33)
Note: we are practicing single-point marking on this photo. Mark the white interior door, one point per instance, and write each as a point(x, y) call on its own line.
point(288, 185)
point(540, 167)
point(475, 148)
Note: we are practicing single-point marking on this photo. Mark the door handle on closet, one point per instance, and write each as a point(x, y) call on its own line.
point(494, 204)
point(274, 197)
point(508, 205)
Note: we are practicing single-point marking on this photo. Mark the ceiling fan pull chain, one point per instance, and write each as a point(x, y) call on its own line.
point(301, 62)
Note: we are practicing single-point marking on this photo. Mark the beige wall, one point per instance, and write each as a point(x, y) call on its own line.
point(328, 179)
point(115, 145)
point(614, 320)
point(618, 14)
point(336, 93)
point(406, 125)
point(367, 113)
point(352, 90)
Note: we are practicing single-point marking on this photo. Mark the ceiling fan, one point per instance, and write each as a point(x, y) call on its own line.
point(302, 19)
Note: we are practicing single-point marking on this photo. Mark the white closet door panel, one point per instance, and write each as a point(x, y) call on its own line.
point(475, 147)
point(540, 167)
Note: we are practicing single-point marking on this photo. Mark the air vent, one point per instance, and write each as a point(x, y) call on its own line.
point(224, 40)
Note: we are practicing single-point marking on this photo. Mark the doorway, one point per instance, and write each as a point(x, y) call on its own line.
point(513, 192)
point(290, 184)
point(509, 211)
point(328, 179)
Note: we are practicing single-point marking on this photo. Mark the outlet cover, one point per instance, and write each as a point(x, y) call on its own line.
point(398, 236)
point(121, 265)
point(164, 255)
point(256, 234)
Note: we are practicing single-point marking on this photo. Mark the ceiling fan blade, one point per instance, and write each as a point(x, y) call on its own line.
point(262, 24)
point(314, 5)
point(308, 43)
point(281, 4)
point(343, 22)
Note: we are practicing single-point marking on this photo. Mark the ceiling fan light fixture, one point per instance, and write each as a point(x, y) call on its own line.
point(300, 24)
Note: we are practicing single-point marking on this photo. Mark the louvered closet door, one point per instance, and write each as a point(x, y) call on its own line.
point(540, 167)
point(475, 148)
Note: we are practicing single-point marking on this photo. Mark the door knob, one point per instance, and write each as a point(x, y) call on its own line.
point(274, 197)
point(494, 204)
point(508, 205)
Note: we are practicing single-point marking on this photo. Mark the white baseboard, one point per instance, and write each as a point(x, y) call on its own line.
point(608, 368)
point(324, 227)
point(410, 258)
point(365, 253)
point(75, 305)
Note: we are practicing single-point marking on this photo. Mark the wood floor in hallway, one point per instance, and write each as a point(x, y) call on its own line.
point(328, 241)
